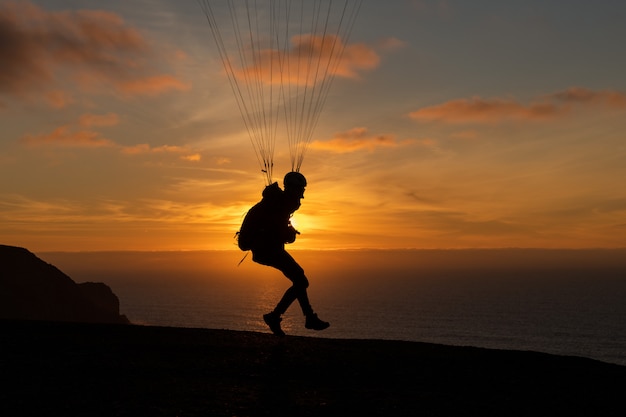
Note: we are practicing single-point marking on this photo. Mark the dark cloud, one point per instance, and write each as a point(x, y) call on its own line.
point(22, 66)
point(495, 110)
point(97, 49)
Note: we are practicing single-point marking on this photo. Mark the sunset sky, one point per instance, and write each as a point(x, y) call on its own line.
point(460, 124)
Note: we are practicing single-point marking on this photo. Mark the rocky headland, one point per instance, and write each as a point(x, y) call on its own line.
point(32, 289)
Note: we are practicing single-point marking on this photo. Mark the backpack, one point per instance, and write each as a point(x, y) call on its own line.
point(251, 227)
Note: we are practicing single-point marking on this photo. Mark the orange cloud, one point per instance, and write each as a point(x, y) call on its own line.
point(144, 148)
point(357, 57)
point(358, 139)
point(579, 95)
point(58, 99)
point(479, 110)
point(110, 119)
point(391, 43)
point(180, 55)
point(41, 50)
point(192, 158)
point(136, 149)
point(152, 85)
point(311, 59)
point(76, 135)
point(81, 135)
point(64, 136)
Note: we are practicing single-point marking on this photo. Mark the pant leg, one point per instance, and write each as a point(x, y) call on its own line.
point(285, 263)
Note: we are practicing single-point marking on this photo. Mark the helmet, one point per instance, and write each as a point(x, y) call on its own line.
point(294, 180)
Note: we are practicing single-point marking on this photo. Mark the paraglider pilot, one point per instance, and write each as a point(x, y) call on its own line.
point(265, 231)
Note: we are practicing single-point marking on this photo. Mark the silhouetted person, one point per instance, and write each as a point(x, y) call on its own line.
point(265, 230)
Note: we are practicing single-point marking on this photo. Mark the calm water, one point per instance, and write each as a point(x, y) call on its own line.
point(562, 302)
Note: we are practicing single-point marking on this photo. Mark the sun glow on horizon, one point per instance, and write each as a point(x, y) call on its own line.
point(121, 132)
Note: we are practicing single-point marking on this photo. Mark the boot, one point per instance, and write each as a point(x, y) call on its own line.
point(314, 323)
point(273, 321)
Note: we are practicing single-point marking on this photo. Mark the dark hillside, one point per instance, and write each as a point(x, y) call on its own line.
point(114, 370)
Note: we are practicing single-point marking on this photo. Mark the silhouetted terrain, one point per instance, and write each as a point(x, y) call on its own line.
point(51, 364)
point(35, 290)
point(125, 370)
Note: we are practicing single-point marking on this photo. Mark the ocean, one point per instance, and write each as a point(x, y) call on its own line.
point(565, 302)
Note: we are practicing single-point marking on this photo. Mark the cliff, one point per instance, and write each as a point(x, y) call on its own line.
point(32, 289)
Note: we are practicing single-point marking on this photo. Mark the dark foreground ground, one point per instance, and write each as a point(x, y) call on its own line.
point(117, 370)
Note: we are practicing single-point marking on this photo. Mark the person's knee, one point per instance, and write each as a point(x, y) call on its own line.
point(301, 282)
point(305, 283)
point(297, 277)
